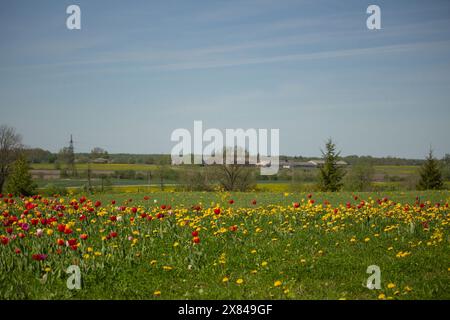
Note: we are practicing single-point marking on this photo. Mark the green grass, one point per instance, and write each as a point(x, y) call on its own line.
point(270, 231)
point(397, 170)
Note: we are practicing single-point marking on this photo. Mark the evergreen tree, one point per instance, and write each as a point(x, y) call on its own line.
point(330, 173)
point(20, 181)
point(430, 174)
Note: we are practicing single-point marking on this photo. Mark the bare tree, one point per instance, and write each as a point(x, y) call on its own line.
point(235, 177)
point(10, 147)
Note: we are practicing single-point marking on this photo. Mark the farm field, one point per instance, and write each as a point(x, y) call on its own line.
point(218, 245)
point(380, 169)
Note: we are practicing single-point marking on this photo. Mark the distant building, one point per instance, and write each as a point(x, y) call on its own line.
point(263, 164)
point(295, 164)
point(100, 160)
point(289, 164)
point(318, 163)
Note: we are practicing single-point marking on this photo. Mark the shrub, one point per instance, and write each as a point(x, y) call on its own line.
point(20, 181)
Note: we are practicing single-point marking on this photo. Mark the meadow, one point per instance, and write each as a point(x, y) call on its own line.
point(219, 245)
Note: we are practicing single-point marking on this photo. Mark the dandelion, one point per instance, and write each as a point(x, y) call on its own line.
point(407, 289)
point(402, 254)
point(157, 293)
point(239, 281)
point(225, 279)
point(277, 283)
point(391, 285)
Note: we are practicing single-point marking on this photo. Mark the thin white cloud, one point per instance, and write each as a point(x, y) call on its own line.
point(388, 49)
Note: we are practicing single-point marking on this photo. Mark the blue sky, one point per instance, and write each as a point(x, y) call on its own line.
point(137, 70)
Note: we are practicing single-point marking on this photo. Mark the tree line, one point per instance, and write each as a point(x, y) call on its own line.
point(15, 174)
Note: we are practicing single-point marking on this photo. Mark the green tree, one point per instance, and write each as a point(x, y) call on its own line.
point(331, 174)
point(20, 181)
point(430, 174)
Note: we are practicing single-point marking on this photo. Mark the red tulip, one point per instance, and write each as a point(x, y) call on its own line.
point(39, 257)
point(4, 240)
point(217, 210)
point(195, 233)
point(254, 202)
point(296, 204)
point(231, 201)
point(196, 240)
point(84, 236)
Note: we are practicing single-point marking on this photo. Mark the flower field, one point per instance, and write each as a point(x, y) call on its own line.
point(226, 246)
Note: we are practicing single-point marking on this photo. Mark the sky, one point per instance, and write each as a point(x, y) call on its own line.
point(138, 70)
